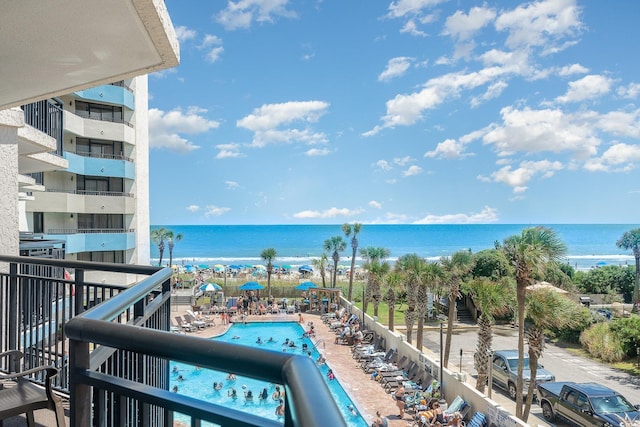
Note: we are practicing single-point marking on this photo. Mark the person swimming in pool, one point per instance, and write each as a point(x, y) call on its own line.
point(280, 409)
point(232, 393)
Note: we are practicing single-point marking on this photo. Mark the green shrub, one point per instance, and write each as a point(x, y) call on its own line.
point(601, 342)
point(627, 332)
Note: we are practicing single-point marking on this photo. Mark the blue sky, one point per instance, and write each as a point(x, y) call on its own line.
point(406, 111)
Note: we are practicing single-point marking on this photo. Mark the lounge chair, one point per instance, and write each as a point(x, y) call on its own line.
point(188, 327)
point(26, 397)
point(478, 420)
point(458, 405)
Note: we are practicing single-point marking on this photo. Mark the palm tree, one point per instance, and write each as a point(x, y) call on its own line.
point(409, 266)
point(393, 281)
point(321, 265)
point(171, 241)
point(456, 268)
point(545, 309)
point(630, 240)
point(269, 255)
point(430, 276)
point(158, 237)
point(489, 297)
point(377, 267)
point(529, 253)
point(334, 246)
point(348, 232)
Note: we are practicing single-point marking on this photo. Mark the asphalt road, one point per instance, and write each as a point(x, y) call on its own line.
point(565, 366)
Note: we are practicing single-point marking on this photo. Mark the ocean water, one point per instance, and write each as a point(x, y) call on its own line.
point(589, 245)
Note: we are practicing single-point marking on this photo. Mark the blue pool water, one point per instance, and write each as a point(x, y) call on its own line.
point(198, 383)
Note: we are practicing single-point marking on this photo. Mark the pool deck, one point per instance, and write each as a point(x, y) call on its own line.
point(367, 395)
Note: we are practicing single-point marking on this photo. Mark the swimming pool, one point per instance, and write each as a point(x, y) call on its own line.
point(198, 383)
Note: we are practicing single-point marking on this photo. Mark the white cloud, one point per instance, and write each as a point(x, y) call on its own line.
point(532, 131)
point(183, 33)
point(448, 149)
point(317, 152)
point(410, 27)
point(541, 23)
point(265, 121)
point(242, 13)
point(572, 69)
point(463, 26)
point(166, 128)
point(588, 87)
point(329, 213)
point(413, 170)
point(487, 215)
point(631, 91)
point(493, 91)
point(376, 205)
point(213, 45)
point(383, 165)
point(617, 158)
point(232, 185)
point(402, 161)
point(520, 177)
point(400, 8)
point(228, 151)
point(212, 210)
point(396, 67)
point(193, 208)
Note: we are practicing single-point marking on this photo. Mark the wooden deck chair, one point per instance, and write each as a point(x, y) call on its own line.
point(184, 325)
point(25, 397)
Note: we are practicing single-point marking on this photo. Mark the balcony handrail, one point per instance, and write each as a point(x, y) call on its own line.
point(101, 117)
point(104, 156)
point(132, 326)
point(90, 230)
point(90, 193)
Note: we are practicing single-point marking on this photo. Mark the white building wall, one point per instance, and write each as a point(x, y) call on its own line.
point(142, 254)
point(10, 121)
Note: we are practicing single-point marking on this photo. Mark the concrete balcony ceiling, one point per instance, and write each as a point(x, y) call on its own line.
point(52, 48)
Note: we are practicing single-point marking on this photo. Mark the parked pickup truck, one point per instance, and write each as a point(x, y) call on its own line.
point(587, 405)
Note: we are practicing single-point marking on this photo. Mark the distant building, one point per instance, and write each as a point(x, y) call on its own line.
point(74, 126)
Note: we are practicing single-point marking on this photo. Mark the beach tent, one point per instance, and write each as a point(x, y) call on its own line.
point(251, 286)
point(305, 269)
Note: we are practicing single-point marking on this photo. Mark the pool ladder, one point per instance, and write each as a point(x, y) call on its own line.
point(321, 340)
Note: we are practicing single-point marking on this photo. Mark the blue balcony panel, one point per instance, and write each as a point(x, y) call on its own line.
point(90, 242)
point(110, 94)
point(95, 166)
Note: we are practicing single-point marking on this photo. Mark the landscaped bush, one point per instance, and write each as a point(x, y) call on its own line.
point(601, 342)
point(571, 334)
point(627, 331)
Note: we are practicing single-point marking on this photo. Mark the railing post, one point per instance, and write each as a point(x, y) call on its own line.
point(79, 298)
point(80, 394)
point(14, 311)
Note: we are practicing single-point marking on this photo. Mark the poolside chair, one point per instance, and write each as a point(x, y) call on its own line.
point(478, 420)
point(193, 321)
point(458, 405)
point(410, 381)
point(184, 325)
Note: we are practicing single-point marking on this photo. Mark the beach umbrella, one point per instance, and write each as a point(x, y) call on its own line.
point(203, 266)
point(260, 267)
point(235, 267)
point(286, 267)
point(305, 269)
point(304, 286)
point(210, 287)
point(251, 286)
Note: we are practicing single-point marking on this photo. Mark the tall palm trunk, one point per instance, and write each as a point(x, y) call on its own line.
point(535, 338)
point(483, 352)
point(409, 319)
point(354, 246)
point(521, 290)
point(450, 318)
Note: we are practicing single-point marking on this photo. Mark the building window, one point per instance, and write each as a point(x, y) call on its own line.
point(38, 222)
point(100, 221)
point(99, 184)
point(99, 148)
point(107, 113)
point(106, 256)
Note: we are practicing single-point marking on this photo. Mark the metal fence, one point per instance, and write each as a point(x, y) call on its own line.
point(119, 349)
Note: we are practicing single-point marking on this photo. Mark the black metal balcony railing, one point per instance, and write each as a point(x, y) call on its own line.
point(104, 156)
point(91, 193)
point(105, 117)
point(117, 372)
point(90, 230)
point(121, 83)
point(46, 116)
